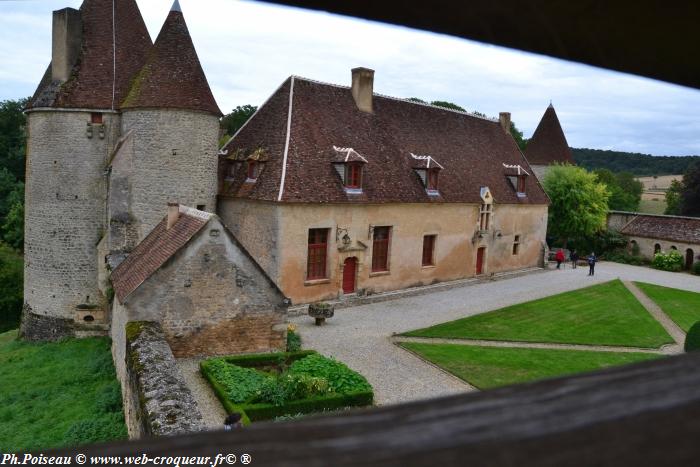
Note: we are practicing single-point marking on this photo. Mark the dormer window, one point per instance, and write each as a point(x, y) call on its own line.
point(517, 178)
point(427, 169)
point(353, 175)
point(349, 165)
point(252, 171)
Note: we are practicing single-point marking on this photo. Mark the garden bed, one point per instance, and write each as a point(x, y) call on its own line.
point(265, 386)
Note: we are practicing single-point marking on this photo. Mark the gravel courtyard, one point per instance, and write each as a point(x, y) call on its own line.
point(360, 336)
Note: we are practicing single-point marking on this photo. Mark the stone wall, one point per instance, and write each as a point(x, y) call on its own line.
point(456, 245)
point(64, 210)
point(174, 159)
point(157, 399)
point(618, 219)
point(211, 298)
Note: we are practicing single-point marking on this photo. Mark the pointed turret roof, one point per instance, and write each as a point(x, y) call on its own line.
point(548, 144)
point(172, 76)
point(93, 83)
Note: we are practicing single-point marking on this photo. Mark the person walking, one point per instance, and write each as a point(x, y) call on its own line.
point(574, 259)
point(233, 422)
point(591, 264)
point(559, 257)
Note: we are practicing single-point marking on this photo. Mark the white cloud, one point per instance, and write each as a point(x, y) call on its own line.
point(247, 49)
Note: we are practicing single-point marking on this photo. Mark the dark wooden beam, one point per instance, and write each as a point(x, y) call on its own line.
point(657, 39)
point(642, 414)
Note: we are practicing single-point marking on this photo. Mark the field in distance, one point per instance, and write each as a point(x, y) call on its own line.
point(662, 182)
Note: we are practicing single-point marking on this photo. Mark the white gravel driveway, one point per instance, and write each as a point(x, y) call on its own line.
point(360, 336)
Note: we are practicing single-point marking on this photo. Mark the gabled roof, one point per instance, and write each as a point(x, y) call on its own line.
point(157, 248)
point(324, 115)
point(671, 228)
point(172, 76)
point(90, 85)
point(548, 144)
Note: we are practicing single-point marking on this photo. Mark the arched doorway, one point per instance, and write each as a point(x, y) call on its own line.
point(689, 258)
point(349, 275)
point(657, 248)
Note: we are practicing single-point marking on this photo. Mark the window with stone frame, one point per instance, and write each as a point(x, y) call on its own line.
point(429, 250)
point(485, 216)
point(317, 254)
point(380, 249)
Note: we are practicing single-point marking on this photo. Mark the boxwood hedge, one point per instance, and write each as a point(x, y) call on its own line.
point(238, 386)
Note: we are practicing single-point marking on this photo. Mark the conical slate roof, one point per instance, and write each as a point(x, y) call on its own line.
point(172, 76)
point(93, 83)
point(548, 144)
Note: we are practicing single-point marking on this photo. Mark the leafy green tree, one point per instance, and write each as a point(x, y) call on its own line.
point(13, 228)
point(673, 198)
point(579, 202)
point(447, 105)
point(11, 283)
point(625, 191)
point(233, 121)
point(416, 99)
point(12, 136)
point(690, 196)
point(518, 136)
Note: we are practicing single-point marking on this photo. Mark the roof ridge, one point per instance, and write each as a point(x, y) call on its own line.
point(644, 214)
point(400, 99)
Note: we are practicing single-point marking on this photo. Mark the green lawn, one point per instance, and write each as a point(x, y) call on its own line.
point(488, 367)
point(57, 394)
point(604, 314)
point(681, 306)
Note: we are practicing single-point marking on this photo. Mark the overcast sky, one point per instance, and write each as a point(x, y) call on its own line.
point(247, 49)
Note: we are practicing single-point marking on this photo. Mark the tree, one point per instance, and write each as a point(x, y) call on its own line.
point(625, 191)
point(12, 136)
point(447, 105)
point(13, 228)
point(579, 202)
point(690, 196)
point(11, 283)
point(416, 99)
point(233, 121)
point(673, 198)
point(518, 136)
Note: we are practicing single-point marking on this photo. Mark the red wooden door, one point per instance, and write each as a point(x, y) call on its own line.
point(349, 273)
point(480, 260)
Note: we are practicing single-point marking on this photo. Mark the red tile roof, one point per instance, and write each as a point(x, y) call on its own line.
point(471, 149)
point(154, 250)
point(548, 144)
point(90, 85)
point(172, 76)
point(671, 228)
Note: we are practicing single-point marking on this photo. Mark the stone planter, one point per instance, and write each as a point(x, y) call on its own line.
point(321, 311)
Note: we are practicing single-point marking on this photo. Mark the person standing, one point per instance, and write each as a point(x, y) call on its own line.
point(591, 264)
point(559, 257)
point(574, 259)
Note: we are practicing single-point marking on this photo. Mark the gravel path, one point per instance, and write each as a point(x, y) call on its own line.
point(360, 336)
point(669, 325)
point(213, 412)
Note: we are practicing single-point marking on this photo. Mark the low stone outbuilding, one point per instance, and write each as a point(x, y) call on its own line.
point(653, 233)
point(193, 277)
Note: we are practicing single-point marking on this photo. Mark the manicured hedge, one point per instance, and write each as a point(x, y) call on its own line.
point(348, 379)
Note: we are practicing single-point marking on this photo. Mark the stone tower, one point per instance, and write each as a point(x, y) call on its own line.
point(73, 121)
point(548, 145)
point(170, 128)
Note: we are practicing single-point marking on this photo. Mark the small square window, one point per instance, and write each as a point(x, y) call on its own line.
point(96, 118)
point(201, 207)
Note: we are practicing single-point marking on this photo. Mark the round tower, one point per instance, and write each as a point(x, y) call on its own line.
point(72, 126)
point(173, 121)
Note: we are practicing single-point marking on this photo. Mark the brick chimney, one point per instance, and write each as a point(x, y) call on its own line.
point(67, 38)
point(173, 215)
point(504, 118)
point(362, 88)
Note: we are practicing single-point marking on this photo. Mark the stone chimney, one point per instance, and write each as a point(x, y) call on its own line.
point(173, 215)
point(67, 38)
point(504, 118)
point(362, 88)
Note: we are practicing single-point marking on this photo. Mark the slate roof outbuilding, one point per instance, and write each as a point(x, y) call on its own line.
point(90, 85)
point(548, 144)
point(671, 228)
point(471, 149)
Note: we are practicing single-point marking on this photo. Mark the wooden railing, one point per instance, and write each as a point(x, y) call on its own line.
point(642, 414)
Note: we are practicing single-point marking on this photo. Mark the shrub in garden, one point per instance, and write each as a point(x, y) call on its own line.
point(692, 339)
point(696, 268)
point(671, 261)
point(240, 384)
point(293, 339)
point(340, 378)
point(622, 256)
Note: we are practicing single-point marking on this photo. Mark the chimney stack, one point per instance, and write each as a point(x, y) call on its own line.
point(67, 38)
point(363, 88)
point(173, 215)
point(504, 118)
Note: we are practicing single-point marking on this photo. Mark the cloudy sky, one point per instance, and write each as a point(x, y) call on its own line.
point(247, 49)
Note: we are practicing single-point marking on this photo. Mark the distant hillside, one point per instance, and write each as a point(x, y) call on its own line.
point(642, 165)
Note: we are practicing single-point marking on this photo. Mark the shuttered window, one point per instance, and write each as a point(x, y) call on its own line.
point(318, 248)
